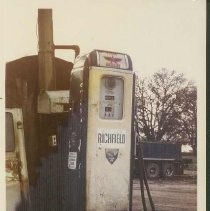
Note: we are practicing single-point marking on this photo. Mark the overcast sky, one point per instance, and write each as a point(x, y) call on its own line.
point(155, 33)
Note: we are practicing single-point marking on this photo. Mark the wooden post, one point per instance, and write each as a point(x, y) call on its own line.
point(47, 75)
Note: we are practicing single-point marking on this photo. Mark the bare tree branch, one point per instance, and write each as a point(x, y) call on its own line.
point(166, 107)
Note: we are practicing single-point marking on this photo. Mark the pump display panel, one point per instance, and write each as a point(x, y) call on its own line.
point(111, 97)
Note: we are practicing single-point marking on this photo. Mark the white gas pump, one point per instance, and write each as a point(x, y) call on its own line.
point(104, 81)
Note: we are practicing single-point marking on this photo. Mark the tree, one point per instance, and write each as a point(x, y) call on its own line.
point(188, 98)
point(166, 108)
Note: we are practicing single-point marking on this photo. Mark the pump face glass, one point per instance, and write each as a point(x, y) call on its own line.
point(111, 97)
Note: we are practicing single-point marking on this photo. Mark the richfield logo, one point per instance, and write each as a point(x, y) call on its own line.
point(111, 155)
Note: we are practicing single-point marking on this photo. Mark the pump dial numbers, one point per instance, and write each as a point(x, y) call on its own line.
point(111, 97)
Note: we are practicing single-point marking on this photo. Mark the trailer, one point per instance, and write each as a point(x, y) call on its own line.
point(161, 159)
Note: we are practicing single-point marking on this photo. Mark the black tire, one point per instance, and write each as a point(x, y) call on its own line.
point(153, 170)
point(168, 170)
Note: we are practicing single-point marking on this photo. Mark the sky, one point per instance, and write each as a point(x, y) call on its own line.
point(156, 34)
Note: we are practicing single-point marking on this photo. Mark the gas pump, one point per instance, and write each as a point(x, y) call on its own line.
point(101, 145)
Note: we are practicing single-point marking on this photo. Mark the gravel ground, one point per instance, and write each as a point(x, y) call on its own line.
point(177, 194)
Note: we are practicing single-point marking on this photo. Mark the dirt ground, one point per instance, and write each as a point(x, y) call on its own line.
point(178, 194)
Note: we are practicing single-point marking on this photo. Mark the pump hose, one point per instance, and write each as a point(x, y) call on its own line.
point(142, 171)
point(141, 178)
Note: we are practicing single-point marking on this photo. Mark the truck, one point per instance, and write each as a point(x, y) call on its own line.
point(161, 159)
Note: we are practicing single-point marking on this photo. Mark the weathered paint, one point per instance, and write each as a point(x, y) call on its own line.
point(108, 185)
point(17, 184)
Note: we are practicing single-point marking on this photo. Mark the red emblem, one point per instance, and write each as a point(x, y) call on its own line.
point(112, 59)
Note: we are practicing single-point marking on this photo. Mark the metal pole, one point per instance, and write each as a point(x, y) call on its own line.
point(71, 47)
point(47, 74)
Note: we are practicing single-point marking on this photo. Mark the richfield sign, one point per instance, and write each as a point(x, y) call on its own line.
point(109, 138)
